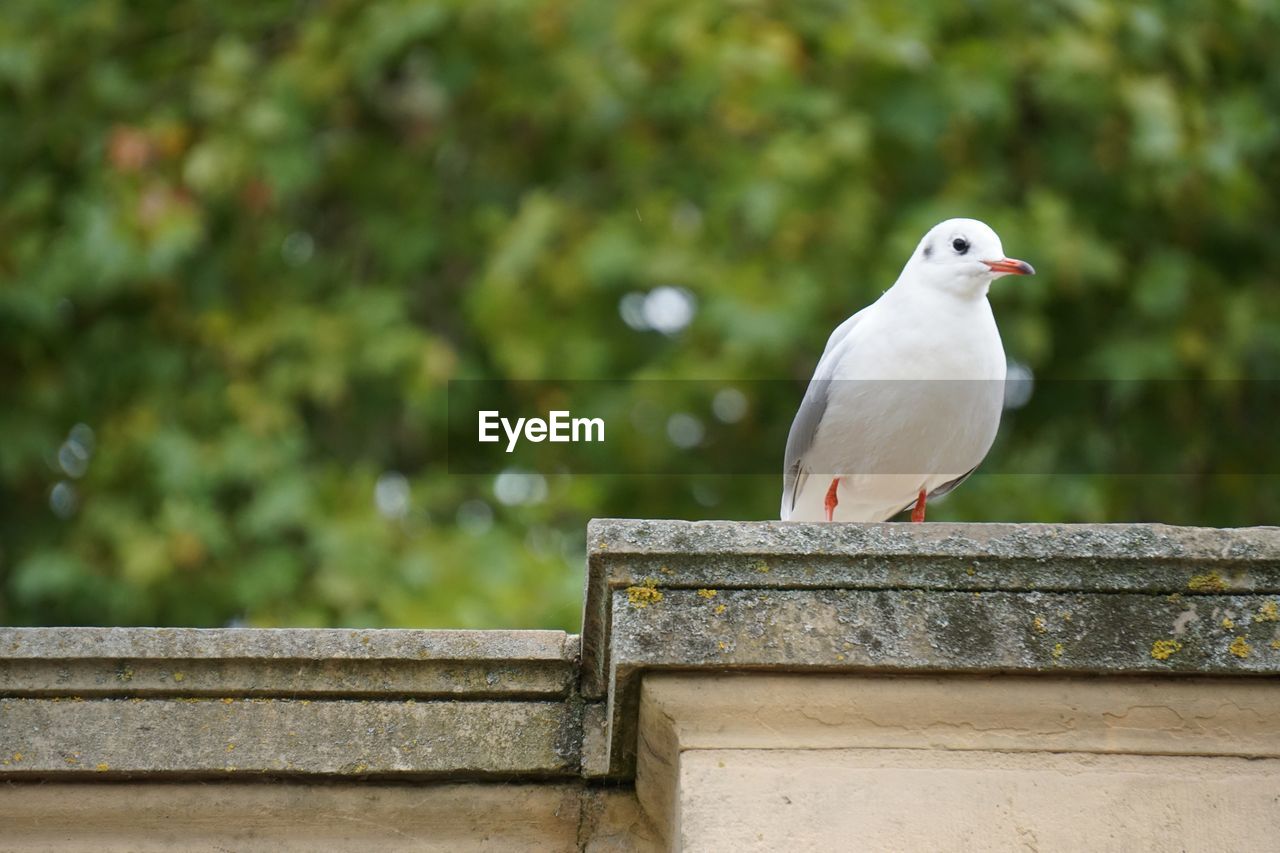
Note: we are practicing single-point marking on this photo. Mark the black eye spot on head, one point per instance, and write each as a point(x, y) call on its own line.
point(928, 250)
point(960, 244)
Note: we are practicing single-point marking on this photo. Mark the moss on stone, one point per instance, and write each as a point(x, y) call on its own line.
point(1207, 582)
point(645, 594)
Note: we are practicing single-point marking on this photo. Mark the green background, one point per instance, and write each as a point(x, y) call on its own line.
point(246, 245)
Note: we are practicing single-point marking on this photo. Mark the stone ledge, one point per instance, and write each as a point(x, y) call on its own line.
point(211, 738)
point(286, 662)
point(911, 630)
point(708, 597)
point(1098, 557)
point(899, 598)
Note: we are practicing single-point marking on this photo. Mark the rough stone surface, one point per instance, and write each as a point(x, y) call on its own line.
point(913, 630)
point(1025, 543)
point(285, 662)
point(1049, 599)
point(289, 643)
point(42, 738)
point(1059, 600)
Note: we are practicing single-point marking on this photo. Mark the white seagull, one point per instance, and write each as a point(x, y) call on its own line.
point(905, 401)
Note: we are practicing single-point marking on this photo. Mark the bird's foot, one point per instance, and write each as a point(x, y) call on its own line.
point(917, 514)
point(831, 499)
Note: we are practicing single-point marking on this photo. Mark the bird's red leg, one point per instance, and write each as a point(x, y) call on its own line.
point(917, 514)
point(831, 501)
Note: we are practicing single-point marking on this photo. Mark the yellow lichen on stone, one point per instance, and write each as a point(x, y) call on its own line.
point(1164, 649)
point(762, 567)
point(707, 593)
point(664, 570)
point(970, 571)
point(720, 608)
point(1275, 645)
point(1058, 650)
point(1173, 596)
point(723, 646)
point(1208, 582)
point(1268, 612)
point(839, 657)
point(1227, 624)
point(1240, 648)
point(177, 676)
point(644, 595)
point(1039, 626)
point(1066, 615)
point(103, 767)
point(17, 756)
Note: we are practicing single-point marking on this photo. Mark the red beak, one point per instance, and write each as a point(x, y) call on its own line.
point(1011, 266)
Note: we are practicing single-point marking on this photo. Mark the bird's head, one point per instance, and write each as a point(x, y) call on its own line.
point(962, 256)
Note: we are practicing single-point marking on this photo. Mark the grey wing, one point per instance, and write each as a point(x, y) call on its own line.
point(800, 440)
point(945, 488)
point(950, 485)
point(809, 417)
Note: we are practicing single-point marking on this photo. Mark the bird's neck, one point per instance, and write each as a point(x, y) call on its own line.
point(949, 294)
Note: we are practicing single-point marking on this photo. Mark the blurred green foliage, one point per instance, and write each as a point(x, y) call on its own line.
point(246, 244)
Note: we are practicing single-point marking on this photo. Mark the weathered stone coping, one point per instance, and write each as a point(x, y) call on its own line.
point(709, 597)
point(162, 703)
point(291, 662)
point(235, 738)
point(962, 598)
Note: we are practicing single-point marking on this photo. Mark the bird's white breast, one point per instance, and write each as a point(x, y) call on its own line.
point(915, 402)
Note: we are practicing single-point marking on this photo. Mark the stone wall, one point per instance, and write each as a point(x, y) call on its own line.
point(736, 686)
